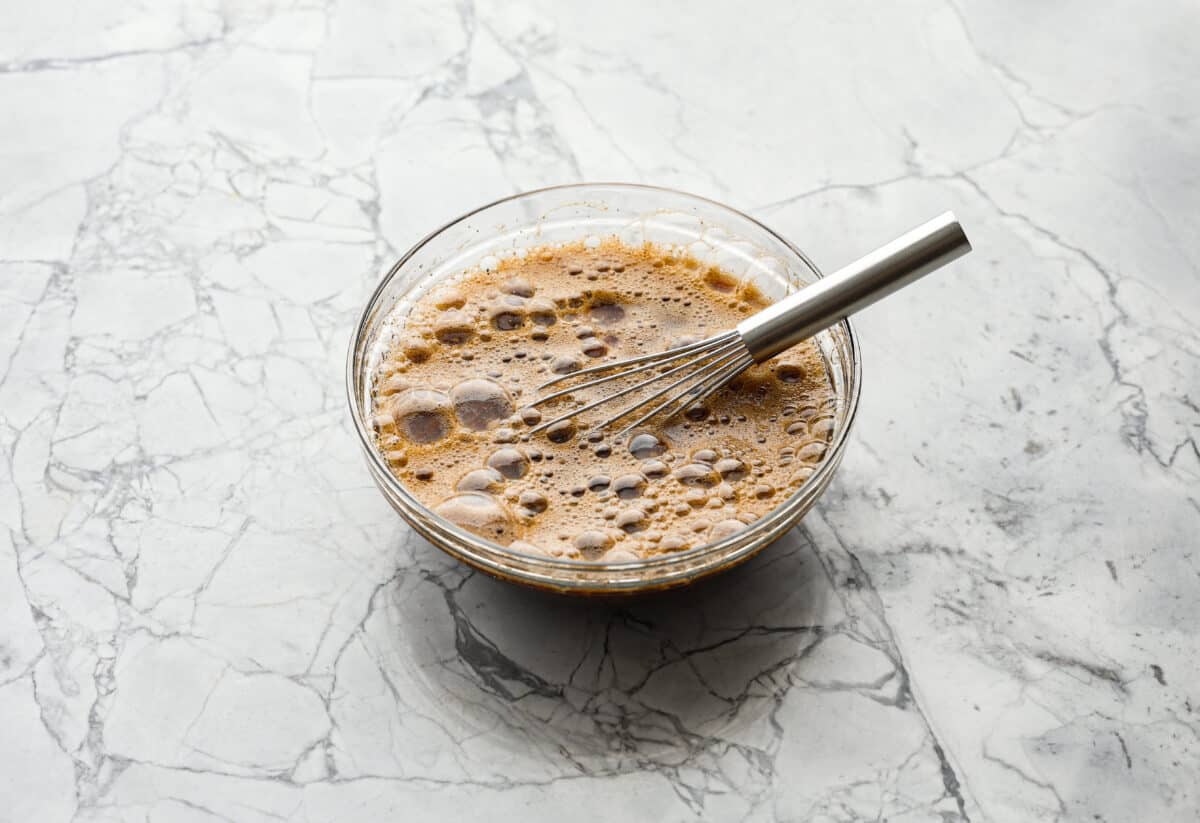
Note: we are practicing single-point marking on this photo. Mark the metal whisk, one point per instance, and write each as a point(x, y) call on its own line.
point(686, 375)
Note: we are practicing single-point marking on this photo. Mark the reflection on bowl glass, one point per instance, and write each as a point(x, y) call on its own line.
point(635, 215)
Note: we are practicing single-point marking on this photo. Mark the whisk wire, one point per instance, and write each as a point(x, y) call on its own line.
point(690, 395)
point(733, 354)
point(651, 360)
point(709, 364)
point(720, 351)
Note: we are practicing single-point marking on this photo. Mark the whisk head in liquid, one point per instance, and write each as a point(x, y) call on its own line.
point(676, 379)
point(686, 375)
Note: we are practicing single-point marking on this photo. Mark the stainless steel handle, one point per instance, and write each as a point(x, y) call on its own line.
point(804, 313)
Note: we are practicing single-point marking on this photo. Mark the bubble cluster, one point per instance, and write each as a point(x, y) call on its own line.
point(452, 413)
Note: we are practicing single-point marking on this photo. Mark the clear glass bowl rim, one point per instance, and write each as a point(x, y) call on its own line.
point(586, 576)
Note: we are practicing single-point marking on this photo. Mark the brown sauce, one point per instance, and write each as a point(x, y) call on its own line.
point(452, 419)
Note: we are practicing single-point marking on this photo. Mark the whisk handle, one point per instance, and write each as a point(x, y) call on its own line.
point(802, 314)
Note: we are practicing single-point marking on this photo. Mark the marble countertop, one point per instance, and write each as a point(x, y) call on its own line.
point(208, 613)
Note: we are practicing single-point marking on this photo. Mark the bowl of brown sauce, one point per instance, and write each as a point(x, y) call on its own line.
point(452, 346)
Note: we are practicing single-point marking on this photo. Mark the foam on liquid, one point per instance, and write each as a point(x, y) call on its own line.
point(451, 416)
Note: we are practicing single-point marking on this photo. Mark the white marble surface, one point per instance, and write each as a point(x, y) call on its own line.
point(207, 612)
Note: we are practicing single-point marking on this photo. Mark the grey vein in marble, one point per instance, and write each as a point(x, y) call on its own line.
point(207, 612)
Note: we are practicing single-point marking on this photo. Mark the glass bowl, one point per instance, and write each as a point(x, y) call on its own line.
point(708, 230)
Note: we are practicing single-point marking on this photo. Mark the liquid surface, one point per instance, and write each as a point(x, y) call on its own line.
point(452, 419)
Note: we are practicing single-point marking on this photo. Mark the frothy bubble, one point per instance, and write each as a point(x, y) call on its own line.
point(454, 328)
point(518, 286)
point(510, 462)
point(789, 373)
point(422, 415)
point(821, 427)
point(645, 445)
point(631, 520)
point(725, 528)
point(507, 313)
point(697, 474)
point(654, 469)
point(594, 348)
point(730, 468)
point(565, 365)
point(607, 314)
point(593, 543)
point(629, 486)
point(811, 452)
point(561, 431)
point(481, 480)
point(479, 514)
point(479, 401)
point(542, 312)
point(533, 502)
